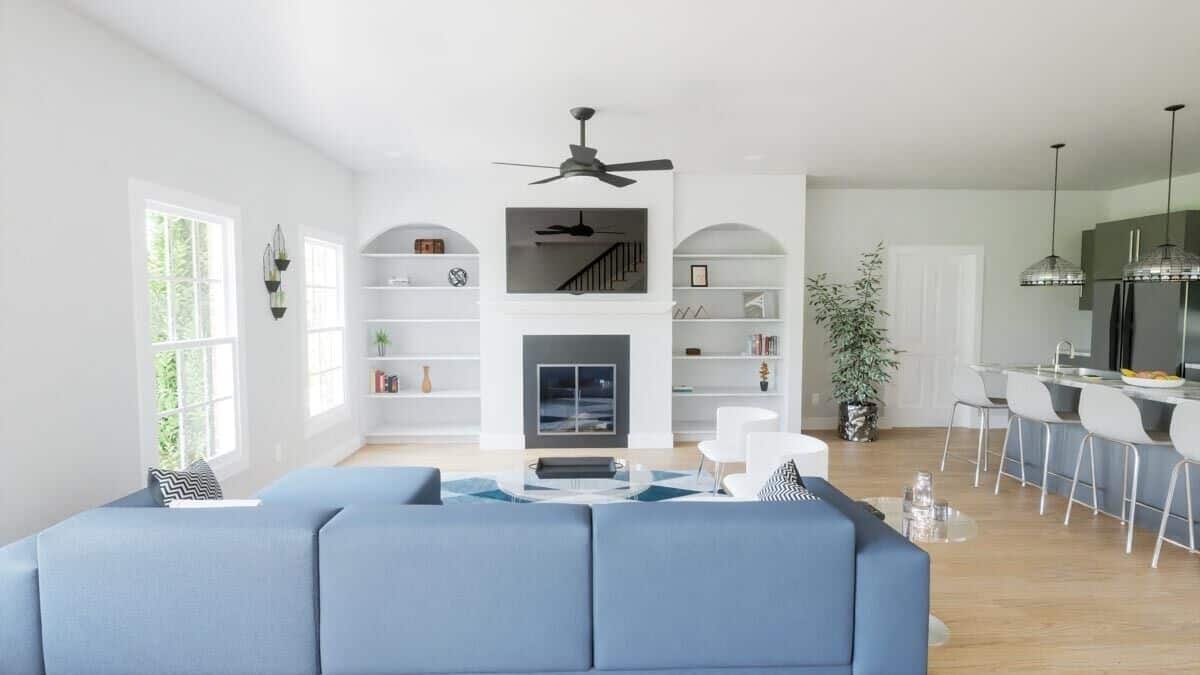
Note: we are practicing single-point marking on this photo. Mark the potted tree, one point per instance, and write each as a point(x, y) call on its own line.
point(863, 357)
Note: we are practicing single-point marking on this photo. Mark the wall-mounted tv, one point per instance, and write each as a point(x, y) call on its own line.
point(576, 250)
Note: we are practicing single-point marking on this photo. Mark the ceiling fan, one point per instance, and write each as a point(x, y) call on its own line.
point(583, 162)
point(579, 230)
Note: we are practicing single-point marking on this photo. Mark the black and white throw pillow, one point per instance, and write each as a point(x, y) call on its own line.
point(785, 486)
point(196, 482)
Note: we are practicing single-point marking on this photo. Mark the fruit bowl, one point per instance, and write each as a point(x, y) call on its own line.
point(1152, 383)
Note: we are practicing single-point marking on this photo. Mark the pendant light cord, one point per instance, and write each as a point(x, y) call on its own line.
point(1054, 202)
point(1170, 173)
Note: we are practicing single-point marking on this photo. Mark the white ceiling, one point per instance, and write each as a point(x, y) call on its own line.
point(870, 93)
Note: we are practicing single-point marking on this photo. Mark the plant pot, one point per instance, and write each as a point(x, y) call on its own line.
point(282, 263)
point(382, 349)
point(277, 312)
point(763, 384)
point(858, 422)
point(272, 286)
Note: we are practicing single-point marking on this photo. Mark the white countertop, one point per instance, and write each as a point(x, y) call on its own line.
point(1190, 391)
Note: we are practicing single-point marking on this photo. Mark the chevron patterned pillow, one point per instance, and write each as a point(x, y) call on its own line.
point(197, 482)
point(785, 486)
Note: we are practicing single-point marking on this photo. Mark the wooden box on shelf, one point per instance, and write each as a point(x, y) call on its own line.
point(429, 246)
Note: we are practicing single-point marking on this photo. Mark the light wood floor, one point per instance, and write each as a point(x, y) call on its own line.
point(1028, 595)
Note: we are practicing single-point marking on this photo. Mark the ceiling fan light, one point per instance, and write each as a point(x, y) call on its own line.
point(1053, 271)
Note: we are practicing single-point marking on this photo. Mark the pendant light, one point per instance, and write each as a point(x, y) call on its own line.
point(1167, 262)
point(1053, 270)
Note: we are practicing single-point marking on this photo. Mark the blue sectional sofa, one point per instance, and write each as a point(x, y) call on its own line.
point(321, 579)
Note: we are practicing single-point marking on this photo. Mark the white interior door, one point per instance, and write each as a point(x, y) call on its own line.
point(934, 295)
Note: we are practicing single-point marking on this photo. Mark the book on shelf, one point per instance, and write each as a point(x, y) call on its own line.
point(382, 383)
point(758, 344)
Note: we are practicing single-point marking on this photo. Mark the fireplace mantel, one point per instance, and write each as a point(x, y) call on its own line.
point(580, 307)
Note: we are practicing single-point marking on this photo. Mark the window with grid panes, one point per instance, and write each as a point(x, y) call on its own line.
point(324, 325)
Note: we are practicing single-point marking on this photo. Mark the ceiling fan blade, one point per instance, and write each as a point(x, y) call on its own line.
point(583, 154)
point(607, 232)
point(648, 165)
point(617, 181)
point(548, 232)
point(546, 180)
point(536, 166)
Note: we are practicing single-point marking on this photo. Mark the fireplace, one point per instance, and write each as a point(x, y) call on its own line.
point(576, 391)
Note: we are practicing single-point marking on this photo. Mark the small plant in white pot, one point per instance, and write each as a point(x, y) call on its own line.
point(863, 357)
point(382, 340)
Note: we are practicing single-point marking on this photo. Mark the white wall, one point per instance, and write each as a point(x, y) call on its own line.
point(1013, 227)
point(1150, 198)
point(83, 112)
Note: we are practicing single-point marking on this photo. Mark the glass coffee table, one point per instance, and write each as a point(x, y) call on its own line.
point(522, 483)
point(957, 528)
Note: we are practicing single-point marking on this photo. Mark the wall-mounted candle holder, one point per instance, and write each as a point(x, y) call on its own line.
point(278, 304)
point(279, 244)
point(270, 272)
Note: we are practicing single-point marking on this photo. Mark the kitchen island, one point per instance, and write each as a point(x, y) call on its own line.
point(1156, 406)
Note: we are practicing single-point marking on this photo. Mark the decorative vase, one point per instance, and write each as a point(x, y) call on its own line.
point(762, 384)
point(858, 422)
point(382, 348)
point(426, 385)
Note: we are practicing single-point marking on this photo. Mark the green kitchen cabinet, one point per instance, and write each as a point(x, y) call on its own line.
point(1086, 255)
point(1120, 242)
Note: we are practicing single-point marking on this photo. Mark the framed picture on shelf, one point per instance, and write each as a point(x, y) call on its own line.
point(699, 276)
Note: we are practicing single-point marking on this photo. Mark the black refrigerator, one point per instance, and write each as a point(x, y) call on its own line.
point(1146, 326)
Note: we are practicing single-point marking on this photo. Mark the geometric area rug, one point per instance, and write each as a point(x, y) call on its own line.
point(465, 488)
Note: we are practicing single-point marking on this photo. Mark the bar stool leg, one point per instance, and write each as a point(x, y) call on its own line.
point(1045, 472)
point(1187, 483)
point(1092, 453)
point(1021, 450)
point(1132, 500)
point(979, 451)
point(1075, 479)
point(986, 416)
point(1162, 525)
point(1003, 454)
point(949, 426)
point(1124, 481)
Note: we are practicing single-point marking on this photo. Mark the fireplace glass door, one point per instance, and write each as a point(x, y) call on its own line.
point(577, 399)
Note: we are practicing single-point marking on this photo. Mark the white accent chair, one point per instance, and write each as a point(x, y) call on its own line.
point(969, 390)
point(1185, 435)
point(1029, 399)
point(1110, 415)
point(733, 423)
point(767, 450)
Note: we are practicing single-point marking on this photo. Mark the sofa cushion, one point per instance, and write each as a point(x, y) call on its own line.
point(738, 584)
point(344, 486)
point(196, 482)
point(20, 625)
point(458, 588)
point(784, 485)
point(174, 591)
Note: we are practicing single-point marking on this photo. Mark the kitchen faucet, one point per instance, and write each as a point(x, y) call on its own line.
point(1058, 351)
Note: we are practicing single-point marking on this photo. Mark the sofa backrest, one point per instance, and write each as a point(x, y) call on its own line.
point(20, 618)
point(707, 585)
point(456, 588)
point(134, 591)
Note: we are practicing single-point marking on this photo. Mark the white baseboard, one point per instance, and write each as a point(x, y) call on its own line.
point(336, 454)
point(651, 440)
point(501, 441)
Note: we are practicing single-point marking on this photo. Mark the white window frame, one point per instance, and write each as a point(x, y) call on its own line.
point(145, 196)
point(325, 420)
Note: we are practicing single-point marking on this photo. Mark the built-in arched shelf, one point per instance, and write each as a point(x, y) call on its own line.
point(432, 323)
point(740, 263)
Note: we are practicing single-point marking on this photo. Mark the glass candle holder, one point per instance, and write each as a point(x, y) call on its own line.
point(923, 490)
point(941, 510)
point(908, 499)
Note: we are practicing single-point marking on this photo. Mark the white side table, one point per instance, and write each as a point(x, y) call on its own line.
point(957, 528)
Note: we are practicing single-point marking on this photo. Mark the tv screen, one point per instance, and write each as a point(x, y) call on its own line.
point(564, 250)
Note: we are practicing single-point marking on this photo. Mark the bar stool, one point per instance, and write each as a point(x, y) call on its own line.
point(1185, 434)
point(969, 390)
point(1029, 399)
point(1110, 415)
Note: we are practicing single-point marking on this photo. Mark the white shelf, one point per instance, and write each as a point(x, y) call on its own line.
point(426, 357)
point(727, 320)
point(431, 256)
point(420, 288)
point(730, 256)
point(436, 393)
point(428, 320)
point(726, 357)
point(426, 431)
point(728, 288)
point(727, 392)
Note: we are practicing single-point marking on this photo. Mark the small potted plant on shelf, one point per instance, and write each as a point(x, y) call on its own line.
point(763, 373)
point(382, 340)
point(863, 357)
